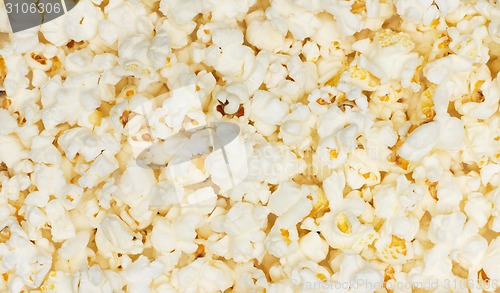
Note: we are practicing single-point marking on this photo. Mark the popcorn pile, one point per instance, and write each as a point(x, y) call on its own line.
point(372, 132)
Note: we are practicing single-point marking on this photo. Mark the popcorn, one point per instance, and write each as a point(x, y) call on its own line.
point(353, 270)
point(249, 278)
point(286, 17)
point(62, 228)
point(348, 23)
point(60, 107)
point(361, 147)
point(446, 229)
point(296, 127)
point(388, 199)
point(267, 111)
point(257, 25)
point(58, 281)
point(420, 142)
point(341, 227)
point(11, 150)
point(74, 252)
point(244, 237)
point(179, 235)
point(202, 275)
point(114, 235)
point(81, 23)
point(312, 247)
point(393, 249)
point(402, 64)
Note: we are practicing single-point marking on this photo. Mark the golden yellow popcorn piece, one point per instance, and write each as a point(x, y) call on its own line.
point(132, 67)
point(426, 102)
point(358, 7)
point(199, 162)
point(358, 73)
point(285, 234)
point(3, 69)
point(333, 154)
point(5, 103)
point(477, 95)
point(384, 98)
point(321, 101)
point(322, 277)
point(125, 117)
point(399, 244)
point(55, 68)
point(402, 163)
point(343, 224)
point(95, 118)
point(320, 206)
point(38, 58)
point(432, 186)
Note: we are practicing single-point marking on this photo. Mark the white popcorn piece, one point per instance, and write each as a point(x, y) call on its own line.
point(259, 25)
point(9, 123)
point(356, 273)
point(139, 274)
point(74, 252)
point(296, 127)
point(62, 228)
point(273, 164)
point(391, 247)
point(29, 263)
point(114, 235)
point(418, 12)
point(402, 63)
point(81, 23)
point(313, 247)
point(347, 22)
point(247, 277)
point(244, 239)
point(11, 150)
point(203, 275)
point(113, 28)
point(307, 273)
point(58, 281)
point(178, 235)
point(97, 280)
point(420, 142)
point(267, 111)
point(490, 262)
point(43, 151)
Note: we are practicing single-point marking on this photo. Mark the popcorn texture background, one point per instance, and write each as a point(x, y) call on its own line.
point(361, 147)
